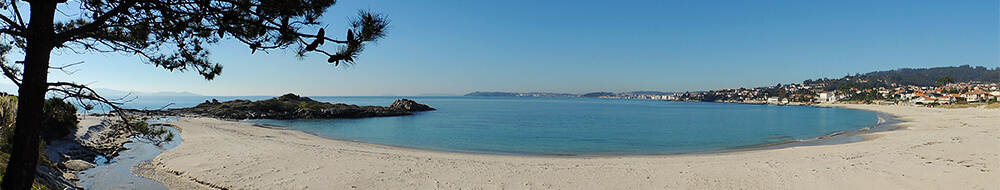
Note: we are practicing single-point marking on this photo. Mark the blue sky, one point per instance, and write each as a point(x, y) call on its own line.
point(456, 47)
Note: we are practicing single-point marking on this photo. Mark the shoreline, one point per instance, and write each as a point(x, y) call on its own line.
point(886, 123)
point(97, 156)
point(219, 153)
point(835, 138)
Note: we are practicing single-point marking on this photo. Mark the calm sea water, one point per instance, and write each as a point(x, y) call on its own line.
point(546, 126)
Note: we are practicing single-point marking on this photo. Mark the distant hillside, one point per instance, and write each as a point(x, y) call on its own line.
point(908, 76)
point(904, 76)
point(568, 95)
point(927, 77)
point(502, 94)
point(597, 94)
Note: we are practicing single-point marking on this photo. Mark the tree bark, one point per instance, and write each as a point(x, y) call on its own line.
point(21, 168)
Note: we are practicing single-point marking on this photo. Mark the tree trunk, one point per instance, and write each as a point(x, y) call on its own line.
point(21, 168)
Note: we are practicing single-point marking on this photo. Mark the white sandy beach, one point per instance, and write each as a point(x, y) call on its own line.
point(936, 149)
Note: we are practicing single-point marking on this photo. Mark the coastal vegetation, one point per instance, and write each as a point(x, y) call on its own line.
point(59, 120)
point(936, 76)
point(8, 111)
point(172, 35)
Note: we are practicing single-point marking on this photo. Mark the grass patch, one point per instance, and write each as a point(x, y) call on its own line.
point(4, 157)
point(993, 106)
point(8, 110)
point(972, 105)
point(959, 106)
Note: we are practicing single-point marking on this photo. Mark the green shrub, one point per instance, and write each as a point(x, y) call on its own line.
point(60, 119)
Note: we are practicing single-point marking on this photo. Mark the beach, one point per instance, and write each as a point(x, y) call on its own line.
point(934, 149)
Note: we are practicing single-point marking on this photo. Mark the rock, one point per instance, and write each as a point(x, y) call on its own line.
point(409, 105)
point(105, 138)
point(76, 165)
point(70, 176)
point(293, 97)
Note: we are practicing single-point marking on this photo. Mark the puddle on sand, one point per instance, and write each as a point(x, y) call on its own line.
point(117, 173)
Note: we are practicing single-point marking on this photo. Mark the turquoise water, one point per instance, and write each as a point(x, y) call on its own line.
point(552, 126)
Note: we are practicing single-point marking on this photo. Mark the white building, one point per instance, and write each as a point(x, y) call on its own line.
point(773, 100)
point(826, 97)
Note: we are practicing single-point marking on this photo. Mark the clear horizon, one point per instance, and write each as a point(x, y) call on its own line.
point(457, 47)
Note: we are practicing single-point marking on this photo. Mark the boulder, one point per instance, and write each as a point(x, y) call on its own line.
point(70, 176)
point(292, 97)
point(76, 165)
point(409, 105)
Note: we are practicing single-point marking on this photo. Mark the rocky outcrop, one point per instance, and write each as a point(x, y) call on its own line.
point(291, 106)
point(409, 105)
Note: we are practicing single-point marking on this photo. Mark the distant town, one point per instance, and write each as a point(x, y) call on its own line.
point(898, 87)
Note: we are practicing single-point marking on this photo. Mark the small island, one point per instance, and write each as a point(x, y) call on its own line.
point(291, 106)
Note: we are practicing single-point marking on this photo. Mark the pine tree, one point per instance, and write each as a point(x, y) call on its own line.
point(170, 34)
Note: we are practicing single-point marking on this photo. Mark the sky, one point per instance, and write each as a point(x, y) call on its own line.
point(457, 47)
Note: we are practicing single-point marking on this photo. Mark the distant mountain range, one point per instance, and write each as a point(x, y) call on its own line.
point(523, 94)
point(436, 94)
point(118, 93)
point(904, 76)
point(109, 93)
point(563, 95)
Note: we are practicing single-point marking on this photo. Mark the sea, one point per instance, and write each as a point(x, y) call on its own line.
point(566, 126)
